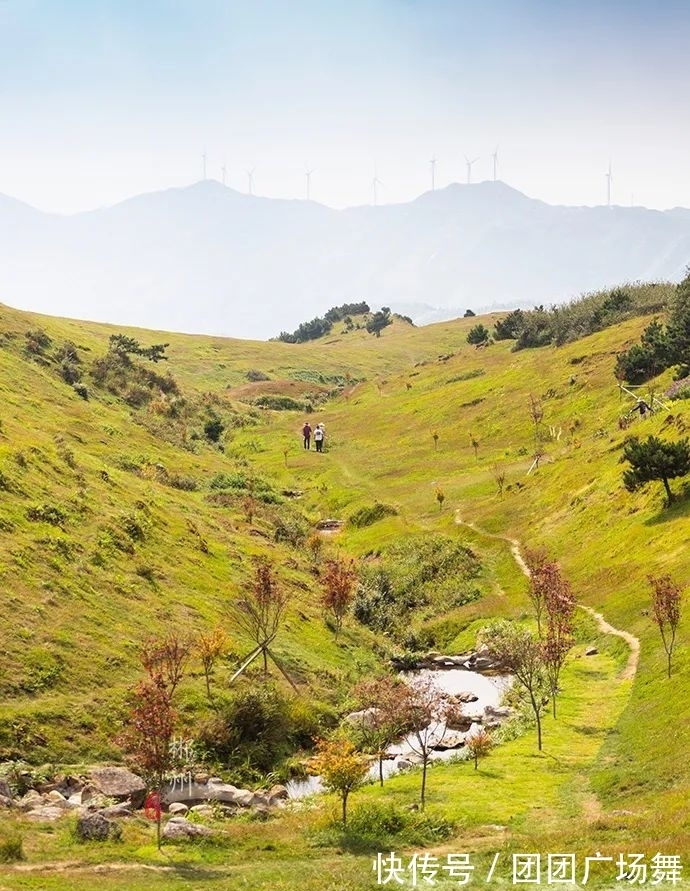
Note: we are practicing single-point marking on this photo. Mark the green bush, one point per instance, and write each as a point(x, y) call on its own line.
point(366, 516)
point(11, 850)
point(279, 403)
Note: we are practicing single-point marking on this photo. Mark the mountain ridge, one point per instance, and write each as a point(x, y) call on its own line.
point(208, 259)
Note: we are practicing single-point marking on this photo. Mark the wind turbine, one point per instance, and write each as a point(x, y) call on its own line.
point(495, 158)
point(223, 172)
point(250, 181)
point(374, 184)
point(432, 164)
point(203, 164)
point(609, 177)
point(469, 168)
point(307, 174)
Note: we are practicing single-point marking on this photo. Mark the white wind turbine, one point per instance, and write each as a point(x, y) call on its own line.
point(307, 174)
point(432, 164)
point(250, 181)
point(375, 183)
point(494, 155)
point(469, 168)
point(609, 178)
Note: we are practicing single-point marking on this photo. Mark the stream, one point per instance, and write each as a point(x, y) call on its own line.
point(488, 689)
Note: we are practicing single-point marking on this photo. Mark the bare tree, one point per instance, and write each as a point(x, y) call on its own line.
point(430, 713)
point(666, 604)
point(478, 744)
point(260, 612)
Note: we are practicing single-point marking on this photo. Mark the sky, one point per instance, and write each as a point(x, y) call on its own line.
point(104, 99)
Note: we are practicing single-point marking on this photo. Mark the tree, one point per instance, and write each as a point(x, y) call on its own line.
point(338, 582)
point(341, 767)
point(478, 744)
point(211, 648)
point(430, 714)
point(148, 734)
point(536, 560)
point(468, 314)
point(435, 436)
point(666, 597)
point(166, 658)
point(560, 605)
point(379, 320)
point(440, 497)
point(261, 611)
point(655, 459)
point(521, 653)
point(386, 718)
point(478, 334)
point(511, 327)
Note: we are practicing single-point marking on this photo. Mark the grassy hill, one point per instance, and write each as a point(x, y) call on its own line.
point(112, 529)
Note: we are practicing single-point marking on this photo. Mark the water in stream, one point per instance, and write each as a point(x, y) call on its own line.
point(489, 691)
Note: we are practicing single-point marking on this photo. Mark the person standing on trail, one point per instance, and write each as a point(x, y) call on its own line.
point(319, 437)
point(306, 433)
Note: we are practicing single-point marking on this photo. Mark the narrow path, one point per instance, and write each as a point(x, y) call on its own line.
point(633, 642)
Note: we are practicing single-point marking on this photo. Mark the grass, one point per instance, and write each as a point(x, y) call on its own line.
point(81, 606)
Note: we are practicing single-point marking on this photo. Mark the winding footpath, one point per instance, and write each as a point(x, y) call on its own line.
point(633, 642)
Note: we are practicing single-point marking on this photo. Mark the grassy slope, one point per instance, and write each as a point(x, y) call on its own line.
point(380, 446)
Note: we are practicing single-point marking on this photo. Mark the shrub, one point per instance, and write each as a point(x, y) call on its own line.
point(46, 513)
point(213, 429)
point(81, 390)
point(367, 516)
point(37, 341)
point(279, 403)
point(11, 849)
point(478, 334)
point(185, 483)
point(255, 375)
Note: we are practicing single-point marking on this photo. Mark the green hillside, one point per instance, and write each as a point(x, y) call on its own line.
point(121, 518)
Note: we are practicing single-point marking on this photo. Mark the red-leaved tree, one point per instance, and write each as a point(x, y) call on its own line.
point(338, 580)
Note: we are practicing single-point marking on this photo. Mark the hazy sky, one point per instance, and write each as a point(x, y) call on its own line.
point(102, 99)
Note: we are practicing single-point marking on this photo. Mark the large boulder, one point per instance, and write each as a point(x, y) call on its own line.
point(96, 827)
point(120, 784)
point(365, 718)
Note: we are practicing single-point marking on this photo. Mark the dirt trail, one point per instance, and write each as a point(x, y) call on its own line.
point(633, 642)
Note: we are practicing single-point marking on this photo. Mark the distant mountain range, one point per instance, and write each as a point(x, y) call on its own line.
point(208, 259)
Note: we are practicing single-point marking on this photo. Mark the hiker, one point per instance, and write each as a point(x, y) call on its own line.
point(319, 437)
point(306, 433)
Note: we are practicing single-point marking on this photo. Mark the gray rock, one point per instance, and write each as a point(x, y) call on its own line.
point(178, 807)
point(120, 784)
point(5, 801)
point(591, 651)
point(5, 791)
point(96, 827)
point(58, 799)
point(46, 812)
point(116, 810)
point(466, 697)
point(403, 764)
point(30, 801)
point(364, 718)
point(203, 810)
point(277, 793)
point(178, 828)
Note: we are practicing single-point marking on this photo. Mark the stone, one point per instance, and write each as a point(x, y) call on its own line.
point(460, 722)
point(57, 798)
point(5, 801)
point(5, 791)
point(178, 807)
point(31, 800)
point(178, 828)
point(124, 809)
point(203, 810)
point(46, 812)
point(365, 718)
point(120, 784)
point(497, 711)
point(591, 651)
point(277, 793)
point(403, 764)
point(96, 827)
point(467, 697)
